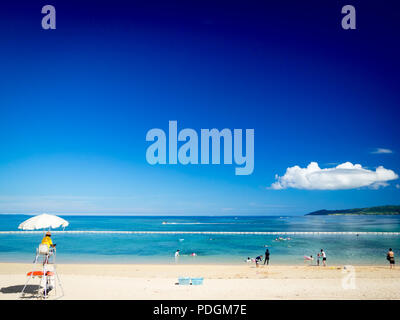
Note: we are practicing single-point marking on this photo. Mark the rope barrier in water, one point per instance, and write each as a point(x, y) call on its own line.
point(209, 232)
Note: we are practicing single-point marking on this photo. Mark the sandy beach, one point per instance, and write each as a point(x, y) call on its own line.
point(139, 281)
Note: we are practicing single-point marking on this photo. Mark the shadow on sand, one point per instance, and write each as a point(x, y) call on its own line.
point(30, 289)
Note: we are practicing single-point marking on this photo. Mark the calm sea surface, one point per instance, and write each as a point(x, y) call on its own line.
point(230, 249)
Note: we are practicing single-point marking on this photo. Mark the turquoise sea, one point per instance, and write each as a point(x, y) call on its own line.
point(210, 248)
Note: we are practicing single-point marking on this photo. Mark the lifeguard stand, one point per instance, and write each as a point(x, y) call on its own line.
point(49, 279)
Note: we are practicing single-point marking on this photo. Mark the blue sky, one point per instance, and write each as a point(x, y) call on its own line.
point(76, 103)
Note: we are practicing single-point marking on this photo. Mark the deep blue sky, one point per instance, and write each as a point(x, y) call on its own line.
point(76, 102)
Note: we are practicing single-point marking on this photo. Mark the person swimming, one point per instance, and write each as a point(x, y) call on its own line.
point(282, 239)
point(308, 258)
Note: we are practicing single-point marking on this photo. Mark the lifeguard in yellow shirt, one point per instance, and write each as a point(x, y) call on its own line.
point(47, 240)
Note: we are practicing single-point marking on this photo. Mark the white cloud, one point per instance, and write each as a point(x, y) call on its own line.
point(381, 150)
point(343, 176)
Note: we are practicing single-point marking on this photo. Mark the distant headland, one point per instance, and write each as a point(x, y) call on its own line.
point(381, 210)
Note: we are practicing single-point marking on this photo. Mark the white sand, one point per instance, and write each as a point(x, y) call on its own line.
point(130, 281)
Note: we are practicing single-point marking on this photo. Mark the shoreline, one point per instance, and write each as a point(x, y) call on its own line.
point(199, 264)
point(221, 282)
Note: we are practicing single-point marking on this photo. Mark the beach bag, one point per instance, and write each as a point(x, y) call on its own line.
point(184, 281)
point(197, 281)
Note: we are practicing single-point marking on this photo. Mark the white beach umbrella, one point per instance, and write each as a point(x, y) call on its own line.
point(43, 221)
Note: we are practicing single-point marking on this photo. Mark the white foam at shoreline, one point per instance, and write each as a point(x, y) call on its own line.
point(208, 232)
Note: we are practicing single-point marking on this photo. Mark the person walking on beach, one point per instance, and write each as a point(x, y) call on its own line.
point(323, 254)
point(390, 258)
point(266, 257)
point(318, 257)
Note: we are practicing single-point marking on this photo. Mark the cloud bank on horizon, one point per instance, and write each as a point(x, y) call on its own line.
point(343, 176)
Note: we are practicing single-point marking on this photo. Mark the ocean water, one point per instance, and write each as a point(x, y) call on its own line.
point(210, 248)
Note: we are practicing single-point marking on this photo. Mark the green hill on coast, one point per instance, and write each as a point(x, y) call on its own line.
point(381, 210)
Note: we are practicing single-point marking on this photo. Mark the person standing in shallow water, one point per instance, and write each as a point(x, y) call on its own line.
point(177, 256)
point(266, 260)
point(390, 258)
point(323, 255)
